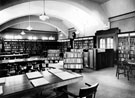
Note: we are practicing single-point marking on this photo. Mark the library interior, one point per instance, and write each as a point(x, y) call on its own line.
point(67, 48)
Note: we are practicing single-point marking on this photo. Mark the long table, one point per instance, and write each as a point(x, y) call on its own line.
point(19, 85)
point(13, 55)
point(31, 59)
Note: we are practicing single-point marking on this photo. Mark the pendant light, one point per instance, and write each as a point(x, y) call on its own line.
point(29, 27)
point(43, 16)
point(22, 32)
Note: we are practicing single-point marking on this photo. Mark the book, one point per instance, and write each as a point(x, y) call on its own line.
point(2, 80)
point(33, 75)
point(65, 75)
point(39, 81)
point(55, 70)
point(1, 89)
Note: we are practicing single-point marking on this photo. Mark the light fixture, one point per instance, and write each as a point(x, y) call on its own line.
point(29, 27)
point(22, 33)
point(43, 16)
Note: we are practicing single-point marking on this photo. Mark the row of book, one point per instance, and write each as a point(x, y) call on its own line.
point(53, 51)
point(73, 60)
point(53, 54)
point(73, 66)
point(76, 50)
point(72, 54)
point(53, 58)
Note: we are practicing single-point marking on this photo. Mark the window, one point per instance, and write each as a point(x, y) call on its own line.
point(102, 43)
point(109, 43)
point(106, 43)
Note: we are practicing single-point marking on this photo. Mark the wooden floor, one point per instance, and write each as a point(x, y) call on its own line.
point(109, 85)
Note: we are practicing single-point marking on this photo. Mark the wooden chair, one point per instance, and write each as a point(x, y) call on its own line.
point(122, 68)
point(45, 65)
point(4, 73)
point(87, 92)
point(130, 69)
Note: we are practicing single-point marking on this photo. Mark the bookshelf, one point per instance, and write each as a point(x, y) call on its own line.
point(31, 47)
point(132, 46)
point(123, 47)
point(64, 44)
point(53, 55)
point(84, 42)
point(73, 60)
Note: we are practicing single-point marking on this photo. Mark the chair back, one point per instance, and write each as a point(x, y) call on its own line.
point(88, 91)
point(125, 63)
point(3, 72)
point(120, 64)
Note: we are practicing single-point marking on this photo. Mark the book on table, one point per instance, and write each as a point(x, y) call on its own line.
point(2, 80)
point(39, 82)
point(1, 89)
point(65, 75)
point(33, 75)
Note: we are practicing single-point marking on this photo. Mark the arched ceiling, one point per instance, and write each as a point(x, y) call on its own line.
point(85, 15)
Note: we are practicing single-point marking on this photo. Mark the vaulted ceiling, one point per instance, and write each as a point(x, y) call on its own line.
point(86, 16)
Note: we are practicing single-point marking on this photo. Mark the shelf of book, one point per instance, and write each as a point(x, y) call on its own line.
point(31, 47)
point(123, 47)
point(84, 42)
point(73, 60)
point(53, 55)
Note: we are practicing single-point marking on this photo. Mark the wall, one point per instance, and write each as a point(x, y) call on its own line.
point(118, 7)
point(125, 22)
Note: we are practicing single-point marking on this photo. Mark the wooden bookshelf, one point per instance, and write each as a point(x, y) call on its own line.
point(28, 46)
point(84, 42)
point(64, 44)
point(73, 60)
point(53, 55)
point(123, 47)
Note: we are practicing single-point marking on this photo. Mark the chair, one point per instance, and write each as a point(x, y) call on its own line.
point(87, 92)
point(45, 66)
point(130, 67)
point(46, 93)
point(29, 67)
point(122, 68)
point(4, 73)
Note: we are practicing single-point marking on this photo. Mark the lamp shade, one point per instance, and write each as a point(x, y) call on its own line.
point(22, 33)
point(43, 17)
point(29, 28)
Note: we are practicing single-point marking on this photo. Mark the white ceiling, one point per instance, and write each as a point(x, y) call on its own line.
point(86, 16)
point(100, 1)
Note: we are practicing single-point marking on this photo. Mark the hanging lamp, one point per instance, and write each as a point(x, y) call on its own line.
point(43, 16)
point(29, 26)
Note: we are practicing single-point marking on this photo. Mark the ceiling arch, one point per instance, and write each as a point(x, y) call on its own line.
point(85, 21)
point(22, 23)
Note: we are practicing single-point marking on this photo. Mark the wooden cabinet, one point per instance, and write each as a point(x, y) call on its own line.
point(104, 58)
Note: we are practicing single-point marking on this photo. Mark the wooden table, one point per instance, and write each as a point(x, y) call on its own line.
point(13, 55)
point(31, 59)
point(19, 85)
point(131, 65)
